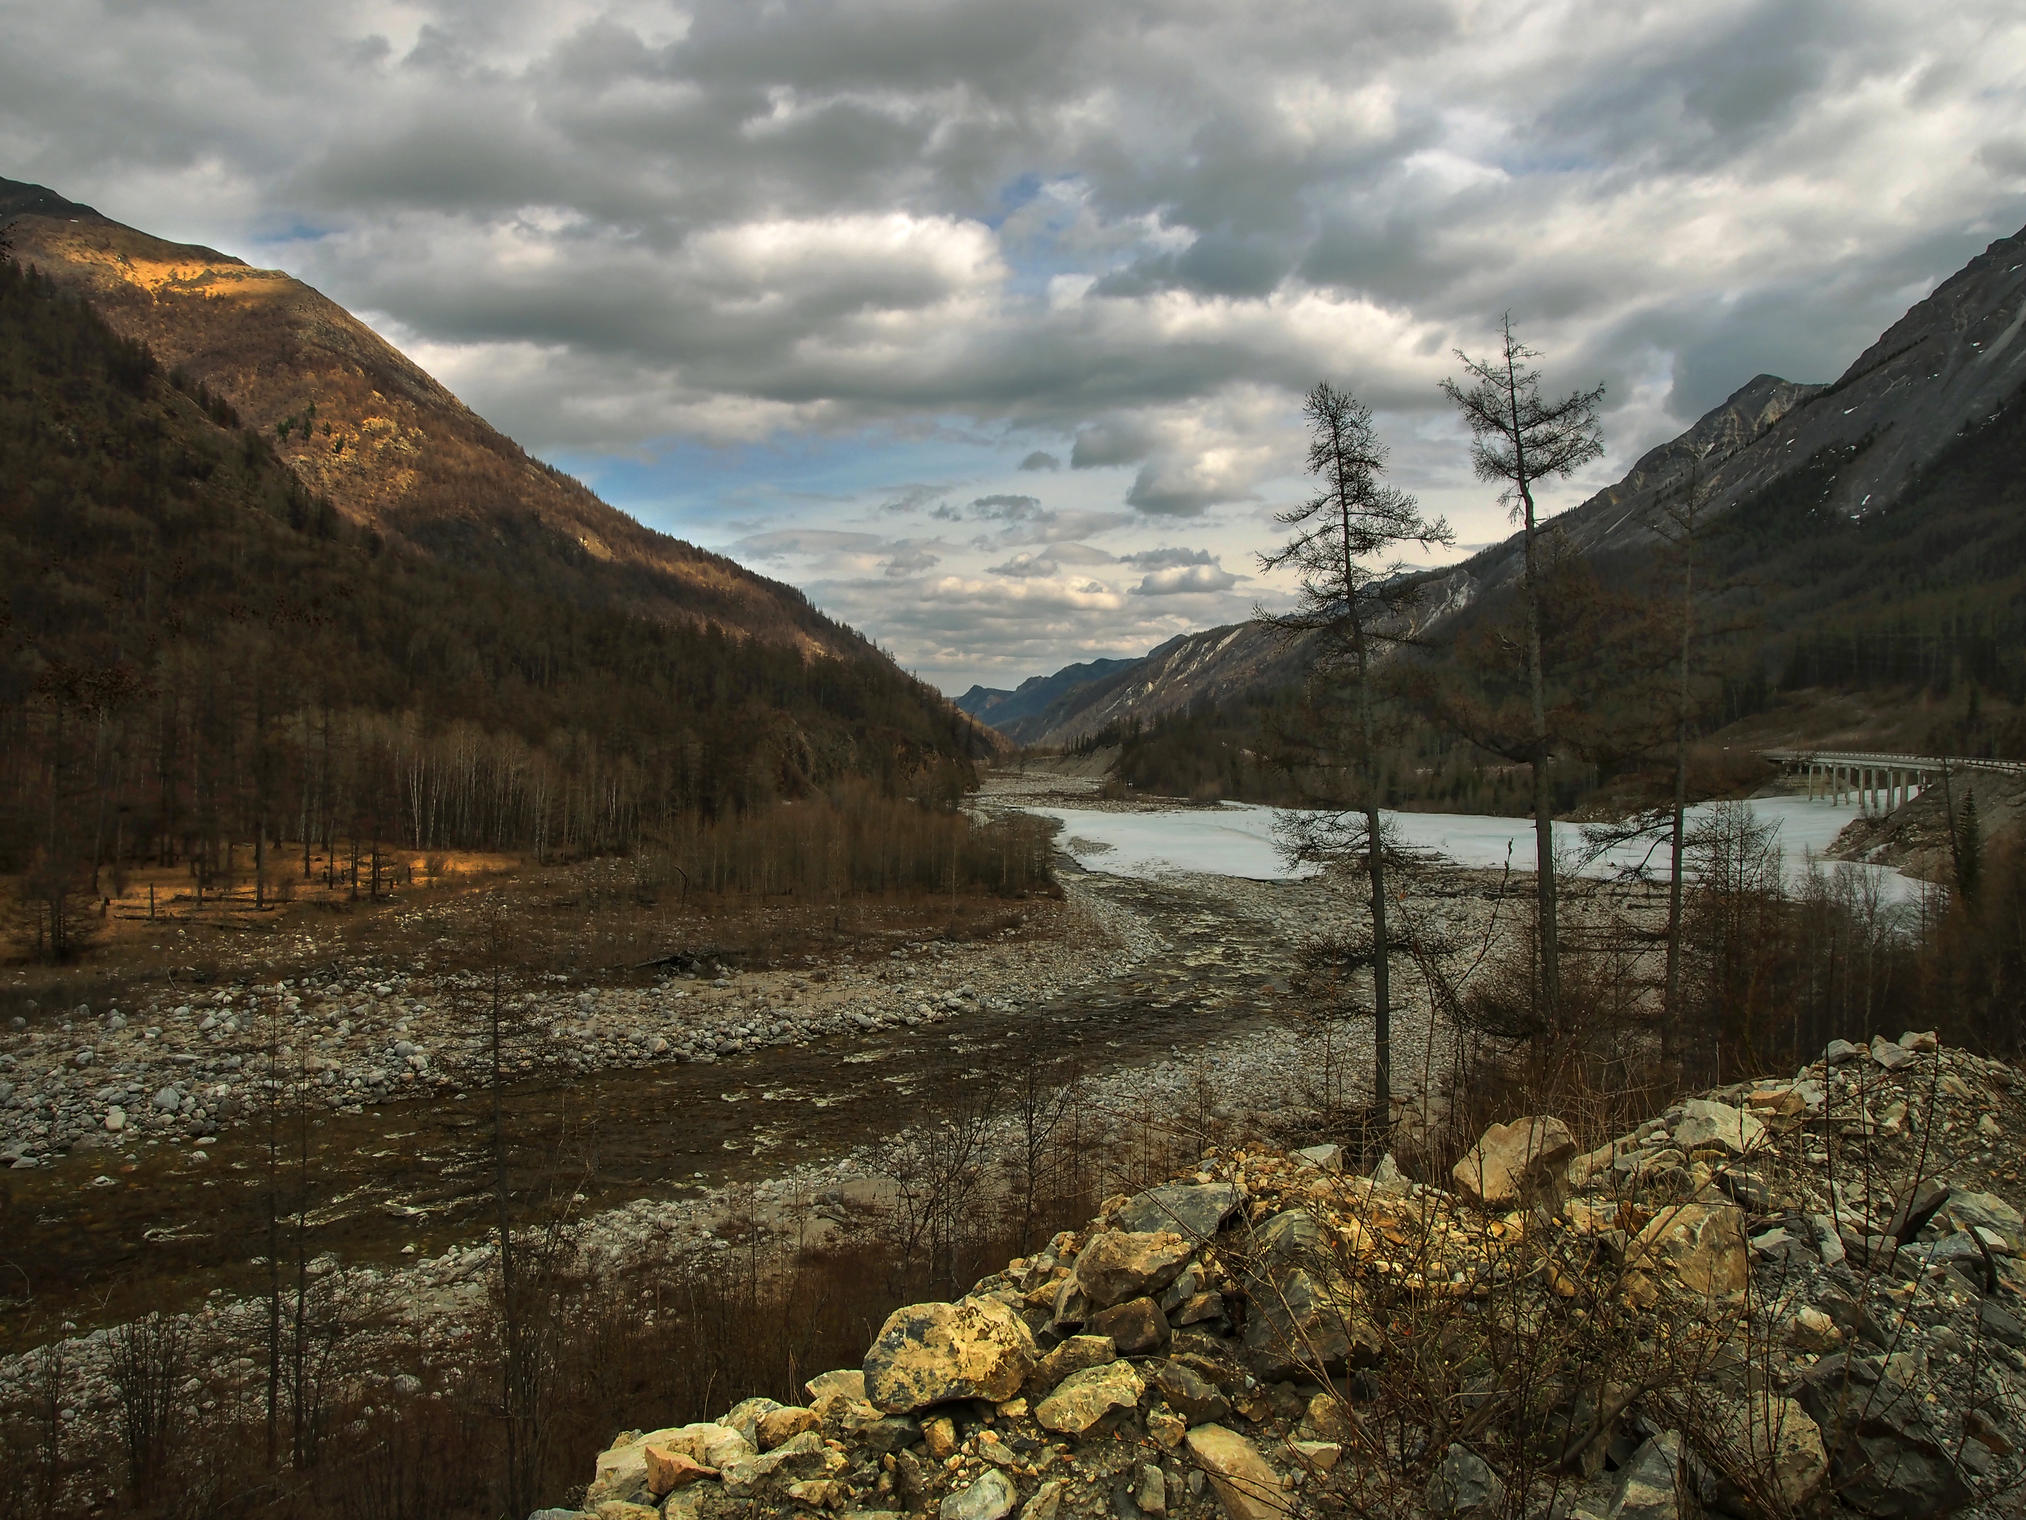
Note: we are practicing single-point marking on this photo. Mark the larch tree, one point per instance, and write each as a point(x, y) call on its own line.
point(1352, 599)
point(1519, 440)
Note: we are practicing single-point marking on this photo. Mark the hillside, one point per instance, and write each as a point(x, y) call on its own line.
point(362, 426)
point(198, 653)
point(1866, 534)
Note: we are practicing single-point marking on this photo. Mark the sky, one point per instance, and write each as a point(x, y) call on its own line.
point(987, 322)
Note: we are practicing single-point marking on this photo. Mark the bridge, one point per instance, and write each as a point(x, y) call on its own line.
point(1878, 782)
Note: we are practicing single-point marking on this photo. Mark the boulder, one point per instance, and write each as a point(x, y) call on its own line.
point(926, 1353)
point(1841, 1053)
point(1885, 1460)
point(1324, 1158)
point(1510, 1159)
point(1047, 1501)
point(1295, 1327)
point(1649, 1484)
point(669, 1469)
point(1989, 1212)
point(745, 1417)
point(1290, 1234)
point(1706, 1123)
point(1083, 1399)
point(1889, 1053)
point(990, 1498)
point(846, 1381)
point(1247, 1487)
point(1195, 1210)
point(805, 1458)
point(1191, 1395)
point(1779, 1443)
point(1136, 1326)
point(1073, 1355)
point(1464, 1487)
point(779, 1426)
point(1120, 1264)
point(1699, 1246)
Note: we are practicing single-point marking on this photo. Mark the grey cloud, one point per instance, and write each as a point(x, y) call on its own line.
point(609, 228)
point(1025, 566)
point(1007, 508)
point(1165, 559)
point(1185, 581)
point(911, 559)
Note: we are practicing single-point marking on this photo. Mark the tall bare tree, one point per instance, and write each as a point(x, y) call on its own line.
point(1353, 598)
point(1679, 523)
point(1519, 440)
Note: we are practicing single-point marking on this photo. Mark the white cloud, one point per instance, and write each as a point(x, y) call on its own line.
point(988, 240)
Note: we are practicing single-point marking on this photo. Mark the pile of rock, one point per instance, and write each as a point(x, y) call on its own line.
point(1778, 1296)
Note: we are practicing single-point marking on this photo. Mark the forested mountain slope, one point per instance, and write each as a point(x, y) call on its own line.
point(361, 425)
point(196, 650)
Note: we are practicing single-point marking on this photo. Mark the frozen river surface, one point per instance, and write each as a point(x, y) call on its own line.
point(1238, 839)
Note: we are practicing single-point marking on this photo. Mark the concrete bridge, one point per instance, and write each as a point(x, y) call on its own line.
point(1878, 782)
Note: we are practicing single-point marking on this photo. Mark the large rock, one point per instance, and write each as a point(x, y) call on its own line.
point(990, 1498)
point(1463, 1487)
point(1701, 1247)
point(1073, 1355)
point(1649, 1485)
point(802, 1459)
point(1136, 1326)
point(1191, 1395)
point(1779, 1443)
point(1246, 1485)
point(1706, 1123)
point(1511, 1159)
point(926, 1353)
point(1195, 1210)
point(846, 1382)
point(1885, 1460)
point(1296, 1328)
point(1120, 1264)
point(623, 1468)
point(1083, 1399)
point(1988, 1211)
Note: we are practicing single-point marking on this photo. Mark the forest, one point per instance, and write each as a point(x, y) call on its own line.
point(199, 659)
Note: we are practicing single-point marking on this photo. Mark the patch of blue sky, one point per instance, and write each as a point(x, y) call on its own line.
point(715, 494)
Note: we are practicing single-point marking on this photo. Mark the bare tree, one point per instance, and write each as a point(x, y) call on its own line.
point(1519, 439)
point(1352, 599)
point(1679, 524)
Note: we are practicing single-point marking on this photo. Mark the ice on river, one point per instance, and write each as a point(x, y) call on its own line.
point(1237, 839)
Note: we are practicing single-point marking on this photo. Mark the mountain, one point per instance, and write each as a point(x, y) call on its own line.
point(1880, 521)
point(1950, 365)
point(199, 649)
point(1022, 713)
point(364, 427)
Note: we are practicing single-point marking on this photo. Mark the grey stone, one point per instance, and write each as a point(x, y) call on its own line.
point(990, 1498)
point(1326, 1158)
point(1885, 1460)
point(1136, 1326)
point(1648, 1485)
point(1194, 1397)
point(1464, 1487)
point(1841, 1052)
point(1195, 1210)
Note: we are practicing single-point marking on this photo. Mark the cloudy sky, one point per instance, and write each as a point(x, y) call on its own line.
point(986, 322)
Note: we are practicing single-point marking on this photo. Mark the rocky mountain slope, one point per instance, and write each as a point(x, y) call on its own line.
point(1021, 713)
point(1939, 382)
point(366, 428)
point(1950, 364)
point(1799, 1295)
